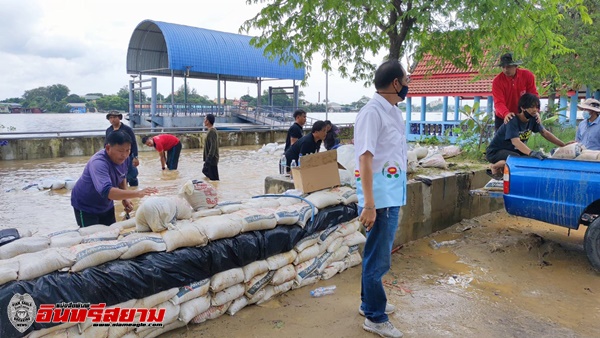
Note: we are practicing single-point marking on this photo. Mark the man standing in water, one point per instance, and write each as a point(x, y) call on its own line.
point(211, 150)
point(380, 154)
point(114, 117)
point(104, 181)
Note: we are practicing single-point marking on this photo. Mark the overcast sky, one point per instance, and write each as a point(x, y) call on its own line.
point(83, 45)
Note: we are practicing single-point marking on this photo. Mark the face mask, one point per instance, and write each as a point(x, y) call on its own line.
point(402, 93)
point(527, 115)
point(586, 115)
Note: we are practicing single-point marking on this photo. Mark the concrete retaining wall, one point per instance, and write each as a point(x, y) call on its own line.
point(432, 206)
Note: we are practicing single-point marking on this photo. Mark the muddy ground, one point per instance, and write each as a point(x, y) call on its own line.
point(504, 277)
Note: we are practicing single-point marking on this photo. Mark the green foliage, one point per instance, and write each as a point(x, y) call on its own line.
point(112, 102)
point(455, 30)
point(474, 132)
point(564, 133)
point(429, 140)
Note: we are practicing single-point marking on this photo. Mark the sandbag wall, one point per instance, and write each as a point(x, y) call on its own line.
point(155, 278)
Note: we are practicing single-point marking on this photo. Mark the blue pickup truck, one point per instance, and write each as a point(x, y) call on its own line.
point(556, 191)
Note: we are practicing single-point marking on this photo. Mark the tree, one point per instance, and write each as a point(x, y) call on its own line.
point(455, 30)
point(74, 98)
point(58, 92)
point(112, 102)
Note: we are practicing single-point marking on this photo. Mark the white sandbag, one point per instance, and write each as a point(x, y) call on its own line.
point(280, 260)
point(434, 161)
point(228, 207)
point(283, 274)
point(332, 269)
point(206, 213)
point(257, 297)
point(141, 243)
point(354, 238)
point(228, 295)
point(306, 254)
point(257, 283)
point(339, 254)
point(9, 269)
point(183, 208)
point(54, 331)
point(222, 226)
point(65, 238)
point(193, 307)
point(36, 264)
point(92, 229)
point(569, 151)
point(324, 198)
point(58, 184)
point(353, 248)
point(225, 279)
point(348, 228)
point(70, 184)
point(346, 194)
point(306, 213)
point(191, 291)
point(24, 245)
point(101, 236)
point(352, 260)
point(286, 215)
point(589, 155)
point(306, 242)
point(157, 213)
point(327, 242)
point(282, 288)
point(304, 269)
point(323, 261)
point(345, 156)
point(83, 327)
point(329, 234)
point(171, 311)
point(212, 313)
point(237, 305)
point(347, 178)
point(96, 253)
point(257, 219)
point(269, 293)
point(308, 280)
point(335, 244)
point(412, 161)
point(421, 152)
point(186, 235)
point(199, 194)
point(158, 298)
point(264, 202)
point(255, 268)
point(450, 151)
point(494, 185)
point(288, 200)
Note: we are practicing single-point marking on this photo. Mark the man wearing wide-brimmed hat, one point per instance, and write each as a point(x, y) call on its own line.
point(588, 130)
point(509, 86)
point(114, 117)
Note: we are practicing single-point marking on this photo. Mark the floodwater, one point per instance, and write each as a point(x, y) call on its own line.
point(242, 172)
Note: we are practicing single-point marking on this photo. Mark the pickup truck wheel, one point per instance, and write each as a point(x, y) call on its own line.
point(591, 243)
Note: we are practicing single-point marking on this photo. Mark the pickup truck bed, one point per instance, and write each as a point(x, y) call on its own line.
point(556, 191)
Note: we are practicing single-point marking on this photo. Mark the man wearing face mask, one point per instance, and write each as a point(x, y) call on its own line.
point(380, 155)
point(512, 137)
point(588, 131)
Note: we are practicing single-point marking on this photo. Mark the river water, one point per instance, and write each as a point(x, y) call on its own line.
point(242, 171)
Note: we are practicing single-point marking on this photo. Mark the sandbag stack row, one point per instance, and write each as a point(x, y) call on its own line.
point(319, 256)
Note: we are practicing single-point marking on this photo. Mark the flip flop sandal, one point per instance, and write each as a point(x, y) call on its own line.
point(498, 177)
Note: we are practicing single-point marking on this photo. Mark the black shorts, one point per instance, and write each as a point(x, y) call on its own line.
point(500, 155)
point(85, 219)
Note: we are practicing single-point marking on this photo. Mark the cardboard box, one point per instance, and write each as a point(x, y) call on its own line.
point(317, 171)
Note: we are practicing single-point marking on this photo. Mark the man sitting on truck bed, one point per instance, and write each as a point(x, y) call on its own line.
point(510, 139)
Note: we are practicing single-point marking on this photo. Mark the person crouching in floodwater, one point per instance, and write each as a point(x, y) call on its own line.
point(103, 181)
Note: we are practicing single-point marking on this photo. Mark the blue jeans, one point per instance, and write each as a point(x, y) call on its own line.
point(132, 174)
point(377, 260)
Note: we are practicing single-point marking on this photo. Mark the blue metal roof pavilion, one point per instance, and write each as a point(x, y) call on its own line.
point(166, 49)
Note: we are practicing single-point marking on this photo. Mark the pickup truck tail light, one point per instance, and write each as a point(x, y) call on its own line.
point(506, 185)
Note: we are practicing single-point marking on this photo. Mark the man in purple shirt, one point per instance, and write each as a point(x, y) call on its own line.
point(103, 181)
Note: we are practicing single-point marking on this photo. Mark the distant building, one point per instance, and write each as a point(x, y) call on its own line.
point(333, 107)
point(76, 107)
point(92, 97)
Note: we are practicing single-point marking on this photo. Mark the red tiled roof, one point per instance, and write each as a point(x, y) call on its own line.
point(426, 80)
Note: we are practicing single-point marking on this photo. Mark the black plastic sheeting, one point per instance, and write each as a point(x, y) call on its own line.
point(119, 281)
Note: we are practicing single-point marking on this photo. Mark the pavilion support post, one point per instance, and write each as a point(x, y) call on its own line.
point(573, 110)
point(490, 106)
point(408, 115)
point(477, 99)
point(445, 108)
point(423, 108)
point(457, 108)
point(563, 106)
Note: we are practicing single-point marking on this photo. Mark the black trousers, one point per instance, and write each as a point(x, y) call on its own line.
point(211, 171)
point(173, 156)
point(85, 219)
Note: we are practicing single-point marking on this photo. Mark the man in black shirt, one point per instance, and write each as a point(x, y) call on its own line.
point(512, 137)
point(295, 131)
point(307, 144)
point(114, 117)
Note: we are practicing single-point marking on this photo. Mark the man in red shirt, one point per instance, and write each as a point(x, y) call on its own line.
point(165, 143)
point(509, 86)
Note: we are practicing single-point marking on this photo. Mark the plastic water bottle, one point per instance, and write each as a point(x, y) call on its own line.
point(282, 165)
point(293, 164)
point(299, 158)
point(322, 291)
